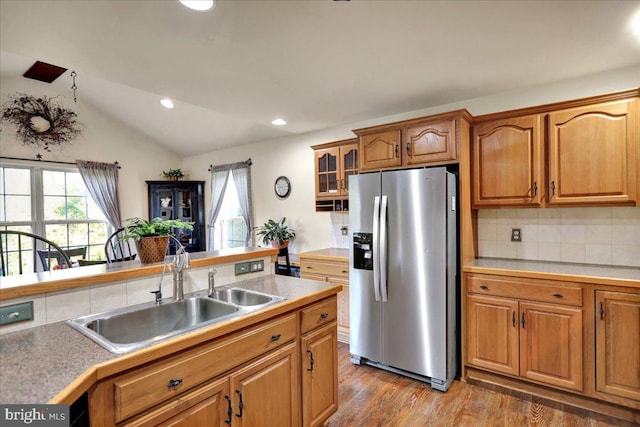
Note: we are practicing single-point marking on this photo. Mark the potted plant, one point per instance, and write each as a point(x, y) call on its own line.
point(173, 174)
point(152, 237)
point(276, 233)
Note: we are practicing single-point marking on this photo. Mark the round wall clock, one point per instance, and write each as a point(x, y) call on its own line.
point(282, 187)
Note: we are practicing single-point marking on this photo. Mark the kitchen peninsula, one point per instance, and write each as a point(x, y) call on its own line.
point(292, 343)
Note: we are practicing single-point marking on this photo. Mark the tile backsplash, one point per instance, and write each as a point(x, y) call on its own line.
point(600, 235)
point(339, 220)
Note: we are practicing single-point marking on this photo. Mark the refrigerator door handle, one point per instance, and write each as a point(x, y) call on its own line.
point(383, 249)
point(376, 241)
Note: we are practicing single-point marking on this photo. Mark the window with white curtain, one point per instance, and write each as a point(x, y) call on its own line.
point(230, 227)
point(52, 202)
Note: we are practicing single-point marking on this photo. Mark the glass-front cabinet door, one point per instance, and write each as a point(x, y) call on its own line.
point(183, 200)
point(349, 163)
point(327, 172)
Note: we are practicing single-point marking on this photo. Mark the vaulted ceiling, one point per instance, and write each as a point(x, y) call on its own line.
point(315, 63)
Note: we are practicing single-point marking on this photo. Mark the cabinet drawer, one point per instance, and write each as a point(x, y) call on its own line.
point(149, 386)
point(526, 289)
point(318, 314)
point(325, 268)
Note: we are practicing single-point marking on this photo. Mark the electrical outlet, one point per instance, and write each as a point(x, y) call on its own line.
point(516, 235)
point(257, 266)
point(344, 230)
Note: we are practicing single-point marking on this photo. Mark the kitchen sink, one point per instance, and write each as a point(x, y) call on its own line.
point(130, 328)
point(243, 297)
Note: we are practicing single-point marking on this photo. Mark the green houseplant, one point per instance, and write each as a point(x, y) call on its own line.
point(276, 233)
point(173, 174)
point(152, 237)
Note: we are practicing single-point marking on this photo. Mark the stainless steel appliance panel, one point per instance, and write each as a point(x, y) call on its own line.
point(364, 310)
point(414, 322)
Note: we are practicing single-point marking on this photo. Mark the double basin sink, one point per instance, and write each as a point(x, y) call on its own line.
point(130, 328)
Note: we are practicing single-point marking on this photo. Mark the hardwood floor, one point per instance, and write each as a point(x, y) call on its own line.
point(373, 397)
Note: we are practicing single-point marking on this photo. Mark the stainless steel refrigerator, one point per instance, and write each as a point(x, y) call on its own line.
point(403, 270)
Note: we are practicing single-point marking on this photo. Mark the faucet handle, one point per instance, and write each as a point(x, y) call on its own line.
point(158, 296)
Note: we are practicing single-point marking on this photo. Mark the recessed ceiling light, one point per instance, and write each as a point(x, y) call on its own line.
point(167, 103)
point(199, 5)
point(279, 122)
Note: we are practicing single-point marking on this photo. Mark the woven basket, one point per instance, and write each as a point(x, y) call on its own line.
point(152, 249)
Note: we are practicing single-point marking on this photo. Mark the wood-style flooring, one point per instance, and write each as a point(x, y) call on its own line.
point(373, 397)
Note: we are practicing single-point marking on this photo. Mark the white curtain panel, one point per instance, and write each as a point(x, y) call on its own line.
point(101, 180)
point(242, 180)
point(219, 180)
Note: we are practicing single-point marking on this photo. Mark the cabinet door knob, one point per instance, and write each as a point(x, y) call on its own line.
point(513, 319)
point(553, 188)
point(408, 149)
point(535, 188)
point(522, 320)
point(174, 383)
point(396, 150)
point(601, 311)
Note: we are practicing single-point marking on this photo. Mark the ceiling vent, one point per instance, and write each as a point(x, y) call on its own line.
point(44, 72)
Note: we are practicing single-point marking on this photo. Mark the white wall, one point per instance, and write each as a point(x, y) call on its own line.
point(293, 157)
point(103, 139)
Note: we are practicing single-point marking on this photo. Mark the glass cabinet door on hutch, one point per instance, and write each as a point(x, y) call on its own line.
point(183, 200)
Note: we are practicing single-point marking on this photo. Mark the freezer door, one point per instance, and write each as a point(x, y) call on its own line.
point(415, 314)
point(364, 310)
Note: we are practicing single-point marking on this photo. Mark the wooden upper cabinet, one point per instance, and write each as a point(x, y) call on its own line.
point(380, 150)
point(435, 142)
point(592, 154)
point(348, 166)
point(508, 162)
point(327, 172)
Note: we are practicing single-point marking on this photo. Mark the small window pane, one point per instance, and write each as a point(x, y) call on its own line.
point(322, 183)
point(57, 233)
point(78, 235)
point(75, 184)
point(18, 181)
point(333, 182)
point(53, 183)
point(76, 208)
point(54, 208)
point(322, 163)
point(18, 208)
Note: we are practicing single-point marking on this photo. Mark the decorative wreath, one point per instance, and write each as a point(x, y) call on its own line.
point(42, 122)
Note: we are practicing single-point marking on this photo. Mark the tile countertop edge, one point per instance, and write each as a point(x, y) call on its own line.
point(74, 362)
point(583, 273)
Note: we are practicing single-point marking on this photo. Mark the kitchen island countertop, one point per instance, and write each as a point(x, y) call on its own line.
point(54, 363)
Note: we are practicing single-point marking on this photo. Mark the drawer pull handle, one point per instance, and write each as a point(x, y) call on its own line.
point(522, 320)
point(558, 295)
point(174, 383)
point(240, 404)
point(275, 338)
point(485, 287)
point(308, 267)
point(344, 271)
point(601, 311)
point(229, 410)
point(310, 368)
point(324, 315)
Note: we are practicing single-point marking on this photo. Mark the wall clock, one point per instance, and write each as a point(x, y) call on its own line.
point(282, 187)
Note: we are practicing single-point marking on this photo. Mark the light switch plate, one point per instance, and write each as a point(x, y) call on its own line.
point(242, 268)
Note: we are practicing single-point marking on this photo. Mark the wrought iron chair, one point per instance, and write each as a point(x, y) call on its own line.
point(116, 249)
point(15, 248)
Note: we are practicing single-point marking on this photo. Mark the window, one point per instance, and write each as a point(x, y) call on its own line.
point(230, 227)
point(54, 203)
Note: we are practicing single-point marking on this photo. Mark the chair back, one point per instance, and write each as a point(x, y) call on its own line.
point(18, 250)
point(283, 265)
point(46, 255)
point(117, 249)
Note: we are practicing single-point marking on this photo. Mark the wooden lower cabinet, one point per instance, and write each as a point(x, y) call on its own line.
point(332, 271)
point(575, 343)
point(618, 343)
point(265, 393)
point(319, 375)
point(248, 378)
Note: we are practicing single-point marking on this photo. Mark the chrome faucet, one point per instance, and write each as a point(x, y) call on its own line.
point(212, 282)
point(180, 262)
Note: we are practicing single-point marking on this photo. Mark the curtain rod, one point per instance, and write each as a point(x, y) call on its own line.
point(39, 159)
point(229, 165)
